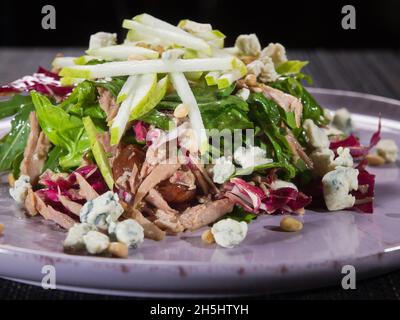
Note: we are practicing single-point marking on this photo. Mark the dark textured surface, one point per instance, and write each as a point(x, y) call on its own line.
point(374, 72)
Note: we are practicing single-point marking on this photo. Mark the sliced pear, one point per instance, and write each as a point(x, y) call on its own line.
point(183, 39)
point(126, 89)
point(98, 152)
point(61, 62)
point(139, 94)
point(155, 98)
point(212, 77)
point(228, 78)
point(154, 22)
point(185, 93)
point(122, 68)
point(122, 52)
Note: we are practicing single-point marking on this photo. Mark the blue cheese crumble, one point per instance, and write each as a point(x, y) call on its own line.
point(342, 120)
point(337, 185)
point(316, 136)
point(74, 239)
point(96, 242)
point(251, 157)
point(223, 169)
point(20, 189)
point(102, 210)
point(387, 149)
point(128, 231)
point(228, 233)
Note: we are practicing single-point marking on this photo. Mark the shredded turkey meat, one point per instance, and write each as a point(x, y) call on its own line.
point(107, 103)
point(85, 189)
point(203, 214)
point(36, 150)
point(49, 213)
point(158, 174)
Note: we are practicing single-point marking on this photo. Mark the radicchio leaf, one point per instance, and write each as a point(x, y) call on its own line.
point(43, 81)
point(356, 149)
point(366, 190)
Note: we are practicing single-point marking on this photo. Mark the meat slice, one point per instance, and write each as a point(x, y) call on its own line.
point(107, 103)
point(286, 101)
point(156, 200)
point(36, 150)
point(168, 222)
point(201, 215)
point(297, 150)
point(85, 189)
point(134, 179)
point(104, 139)
point(49, 213)
point(160, 173)
point(127, 156)
point(70, 205)
point(30, 203)
point(151, 231)
point(174, 193)
point(202, 177)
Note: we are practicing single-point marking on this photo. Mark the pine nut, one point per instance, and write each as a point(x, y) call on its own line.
point(207, 237)
point(251, 80)
point(181, 111)
point(118, 249)
point(11, 180)
point(1, 228)
point(248, 59)
point(375, 160)
point(290, 224)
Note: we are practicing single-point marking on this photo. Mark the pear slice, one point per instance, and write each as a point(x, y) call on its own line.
point(98, 152)
point(139, 94)
point(159, 93)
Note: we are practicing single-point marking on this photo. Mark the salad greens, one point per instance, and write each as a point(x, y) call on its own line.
point(13, 144)
point(63, 130)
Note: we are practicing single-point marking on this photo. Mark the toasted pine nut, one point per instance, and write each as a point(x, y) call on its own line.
point(158, 48)
point(375, 160)
point(1, 228)
point(181, 111)
point(11, 180)
point(248, 59)
point(251, 80)
point(207, 237)
point(290, 224)
point(118, 249)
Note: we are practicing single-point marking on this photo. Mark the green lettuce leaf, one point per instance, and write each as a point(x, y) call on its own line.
point(13, 144)
point(11, 106)
point(239, 214)
point(266, 114)
point(291, 67)
point(114, 86)
point(63, 130)
point(83, 102)
point(53, 159)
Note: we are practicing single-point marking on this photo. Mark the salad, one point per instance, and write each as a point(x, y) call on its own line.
point(170, 131)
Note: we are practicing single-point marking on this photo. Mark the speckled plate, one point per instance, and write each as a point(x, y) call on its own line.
point(267, 261)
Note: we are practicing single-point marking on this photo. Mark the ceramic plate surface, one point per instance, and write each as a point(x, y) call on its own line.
point(267, 261)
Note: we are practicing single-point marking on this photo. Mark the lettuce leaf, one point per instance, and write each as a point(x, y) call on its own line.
point(13, 144)
point(114, 85)
point(11, 106)
point(63, 130)
point(83, 102)
point(266, 114)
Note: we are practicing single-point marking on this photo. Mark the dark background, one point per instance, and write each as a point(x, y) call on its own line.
point(296, 24)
